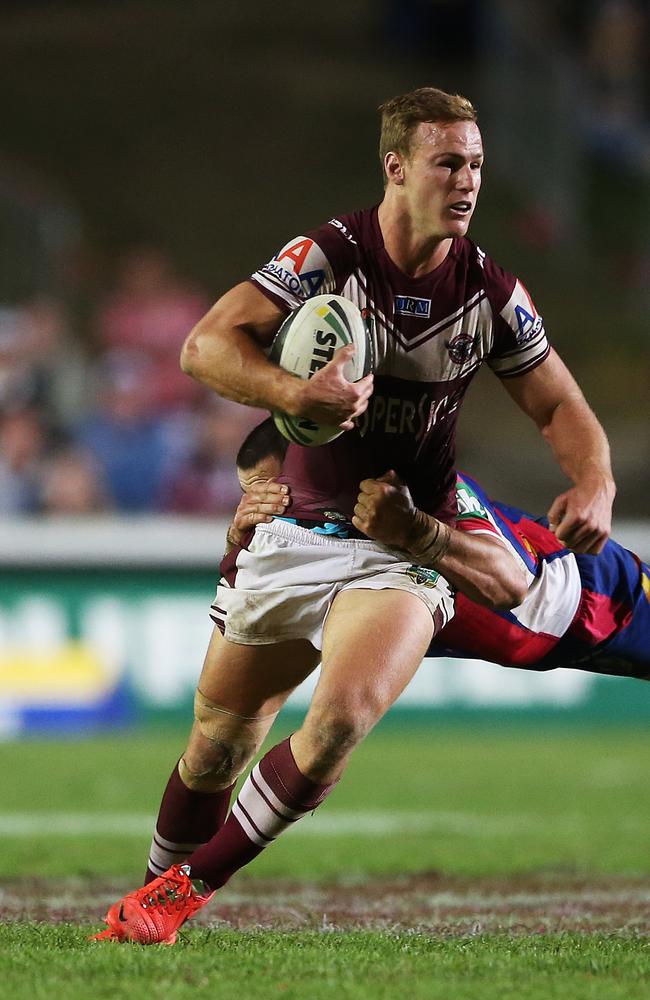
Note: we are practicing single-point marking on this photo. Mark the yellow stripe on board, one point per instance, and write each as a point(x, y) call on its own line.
point(74, 672)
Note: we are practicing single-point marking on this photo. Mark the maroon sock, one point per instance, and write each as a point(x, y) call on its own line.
point(274, 796)
point(186, 820)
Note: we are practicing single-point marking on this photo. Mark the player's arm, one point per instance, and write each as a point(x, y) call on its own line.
point(479, 566)
point(226, 352)
point(581, 516)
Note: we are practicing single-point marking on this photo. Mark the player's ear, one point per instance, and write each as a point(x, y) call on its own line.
point(394, 168)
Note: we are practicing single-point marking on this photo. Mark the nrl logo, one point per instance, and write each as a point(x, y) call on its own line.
point(423, 577)
point(334, 515)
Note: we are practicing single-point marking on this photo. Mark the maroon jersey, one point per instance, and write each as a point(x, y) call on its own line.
point(430, 335)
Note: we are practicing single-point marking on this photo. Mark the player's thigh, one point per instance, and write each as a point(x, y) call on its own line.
point(254, 680)
point(373, 643)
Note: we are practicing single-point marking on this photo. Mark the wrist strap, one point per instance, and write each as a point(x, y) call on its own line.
point(433, 541)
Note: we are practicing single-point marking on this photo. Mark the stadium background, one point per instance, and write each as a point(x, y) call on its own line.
point(151, 155)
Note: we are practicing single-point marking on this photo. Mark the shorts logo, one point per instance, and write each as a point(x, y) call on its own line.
point(461, 348)
point(407, 305)
point(334, 515)
point(423, 577)
point(528, 326)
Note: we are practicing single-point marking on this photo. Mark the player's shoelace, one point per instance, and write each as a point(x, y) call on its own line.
point(169, 896)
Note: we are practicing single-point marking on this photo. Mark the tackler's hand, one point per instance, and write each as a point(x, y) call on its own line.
point(262, 501)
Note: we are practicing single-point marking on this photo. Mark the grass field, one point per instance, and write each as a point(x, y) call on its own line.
point(493, 863)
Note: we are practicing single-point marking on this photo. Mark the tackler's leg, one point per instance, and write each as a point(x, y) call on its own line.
point(240, 691)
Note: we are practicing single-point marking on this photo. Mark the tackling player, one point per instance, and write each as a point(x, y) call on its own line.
point(437, 308)
point(590, 612)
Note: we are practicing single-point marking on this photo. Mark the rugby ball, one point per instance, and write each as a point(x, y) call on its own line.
point(304, 344)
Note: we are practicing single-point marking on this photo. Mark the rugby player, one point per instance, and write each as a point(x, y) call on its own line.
point(296, 593)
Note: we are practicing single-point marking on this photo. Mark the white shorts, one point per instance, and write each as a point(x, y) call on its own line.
point(285, 581)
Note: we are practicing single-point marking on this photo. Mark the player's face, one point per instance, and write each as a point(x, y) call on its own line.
point(442, 176)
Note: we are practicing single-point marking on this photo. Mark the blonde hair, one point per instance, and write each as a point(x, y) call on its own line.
point(400, 116)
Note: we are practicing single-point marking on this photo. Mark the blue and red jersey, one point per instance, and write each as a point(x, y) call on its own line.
point(591, 612)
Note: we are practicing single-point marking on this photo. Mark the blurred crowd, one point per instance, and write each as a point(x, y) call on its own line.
point(568, 85)
point(109, 423)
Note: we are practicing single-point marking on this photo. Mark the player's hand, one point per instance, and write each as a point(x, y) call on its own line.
point(385, 510)
point(262, 501)
point(581, 518)
point(328, 398)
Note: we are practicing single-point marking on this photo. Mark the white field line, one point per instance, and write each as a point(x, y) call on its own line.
point(331, 824)
point(68, 894)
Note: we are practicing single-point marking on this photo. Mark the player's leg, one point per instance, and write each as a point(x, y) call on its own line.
point(380, 632)
point(374, 642)
point(282, 586)
point(240, 691)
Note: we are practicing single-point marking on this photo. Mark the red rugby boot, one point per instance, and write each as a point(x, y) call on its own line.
point(154, 913)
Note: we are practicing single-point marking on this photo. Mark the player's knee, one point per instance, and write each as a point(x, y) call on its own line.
point(334, 731)
point(221, 746)
point(212, 768)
